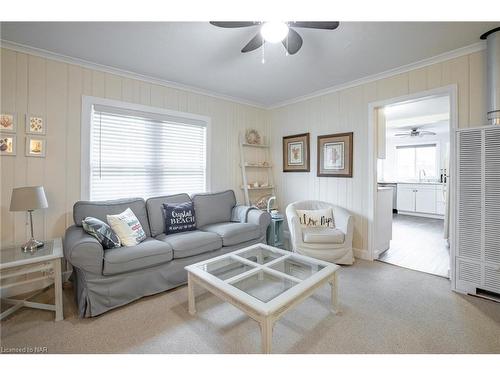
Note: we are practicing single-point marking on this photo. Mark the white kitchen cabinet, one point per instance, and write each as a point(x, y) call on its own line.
point(420, 199)
point(406, 199)
point(425, 200)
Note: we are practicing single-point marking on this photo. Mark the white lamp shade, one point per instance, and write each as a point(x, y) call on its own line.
point(28, 198)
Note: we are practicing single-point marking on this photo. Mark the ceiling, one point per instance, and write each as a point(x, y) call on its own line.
point(205, 57)
point(430, 113)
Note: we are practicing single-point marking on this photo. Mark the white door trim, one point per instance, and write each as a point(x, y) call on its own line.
point(452, 92)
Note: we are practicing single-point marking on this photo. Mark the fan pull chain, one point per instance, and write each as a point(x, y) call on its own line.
point(263, 53)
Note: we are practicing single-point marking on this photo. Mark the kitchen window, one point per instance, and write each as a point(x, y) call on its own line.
point(143, 153)
point(415, 162)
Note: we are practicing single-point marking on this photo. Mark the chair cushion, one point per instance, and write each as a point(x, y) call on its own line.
point(213, 207)
point(149, 252)
point(99, 210)
point(186, 244)
point(322, 235)
point(154, 207)
point(234, 233)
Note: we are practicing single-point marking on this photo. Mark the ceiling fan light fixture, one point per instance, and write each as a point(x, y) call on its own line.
point(274, 32)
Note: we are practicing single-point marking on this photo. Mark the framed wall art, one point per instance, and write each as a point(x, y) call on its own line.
point(35, 147)
point(35, 125)
point(7, 144)
point(8, 122)
point(335, 155)
point(296, 153)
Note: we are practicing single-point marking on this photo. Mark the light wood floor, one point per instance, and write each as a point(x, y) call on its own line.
point(418, 243)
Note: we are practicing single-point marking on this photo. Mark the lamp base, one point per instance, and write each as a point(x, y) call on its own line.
point(32, 245)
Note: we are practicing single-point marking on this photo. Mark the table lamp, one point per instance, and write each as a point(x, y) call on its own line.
point(29, 198)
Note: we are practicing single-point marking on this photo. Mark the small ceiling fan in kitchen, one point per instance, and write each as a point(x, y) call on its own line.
point(276, 32)
point(414, 132)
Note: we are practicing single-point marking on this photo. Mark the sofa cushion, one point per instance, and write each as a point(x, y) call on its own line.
point(213, 207)
point(99, 210)
point(149, 252)
point(322, 235)
point(234, 233)
point(191, 243)
point(154, 207)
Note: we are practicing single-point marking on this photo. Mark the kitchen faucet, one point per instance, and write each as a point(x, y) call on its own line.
point(420, 174)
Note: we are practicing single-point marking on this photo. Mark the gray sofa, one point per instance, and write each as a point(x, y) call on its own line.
point(105, 279)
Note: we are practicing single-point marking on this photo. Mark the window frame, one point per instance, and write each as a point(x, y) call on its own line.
point(436, 144)
point(86, 127)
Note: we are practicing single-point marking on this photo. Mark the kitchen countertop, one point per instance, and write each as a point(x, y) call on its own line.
point(412, 183)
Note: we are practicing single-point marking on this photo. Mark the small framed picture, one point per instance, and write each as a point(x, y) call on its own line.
point(7, 144)
point(35, 125)
point(335, 155)
point(8, 122)
point(296, 153)
point(35, 147)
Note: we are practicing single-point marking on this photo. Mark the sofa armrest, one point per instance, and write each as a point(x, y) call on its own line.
point(345, 222)
point(294, 227)
point(261, 218)
point(82, 250)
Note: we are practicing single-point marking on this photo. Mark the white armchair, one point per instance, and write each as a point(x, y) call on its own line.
point(331, 245)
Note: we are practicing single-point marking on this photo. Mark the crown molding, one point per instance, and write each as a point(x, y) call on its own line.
point(479, 46)
point(122, 72)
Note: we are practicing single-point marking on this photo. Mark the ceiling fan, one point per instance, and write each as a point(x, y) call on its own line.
point(275, 32)
point(414, 132)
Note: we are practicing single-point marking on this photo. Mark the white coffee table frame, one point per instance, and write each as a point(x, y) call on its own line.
point(265, 313)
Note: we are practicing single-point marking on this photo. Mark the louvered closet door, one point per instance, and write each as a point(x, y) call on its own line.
point(469, 195)
point(492, 209)
point(468, 266)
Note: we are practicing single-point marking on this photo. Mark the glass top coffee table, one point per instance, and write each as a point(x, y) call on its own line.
point(262, 281)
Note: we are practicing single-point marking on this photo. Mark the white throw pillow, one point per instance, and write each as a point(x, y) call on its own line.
point(316, 218)
point(127, 227)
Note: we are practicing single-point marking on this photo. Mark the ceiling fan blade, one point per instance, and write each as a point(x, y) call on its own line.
point(325, 25)
point(292, 42)
point(254, 43)
point(234, 24)
point(426, 132)
point(402, 135)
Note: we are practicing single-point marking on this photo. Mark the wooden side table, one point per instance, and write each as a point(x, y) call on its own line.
point(14, 262)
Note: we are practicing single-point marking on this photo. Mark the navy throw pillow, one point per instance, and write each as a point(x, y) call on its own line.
point(179, 217)
point(102, 231)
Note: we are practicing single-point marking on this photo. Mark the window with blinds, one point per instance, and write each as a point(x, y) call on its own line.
point(139, 154)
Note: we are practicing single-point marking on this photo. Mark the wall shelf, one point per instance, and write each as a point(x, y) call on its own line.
point(258, 188)
point(254, 145)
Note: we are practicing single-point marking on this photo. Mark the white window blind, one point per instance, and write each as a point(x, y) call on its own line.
point(139, 154)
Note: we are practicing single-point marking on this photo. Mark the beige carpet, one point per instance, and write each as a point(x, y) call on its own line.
point(386, 309)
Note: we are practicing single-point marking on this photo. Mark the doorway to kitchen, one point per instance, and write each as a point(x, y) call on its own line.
point(412, 184)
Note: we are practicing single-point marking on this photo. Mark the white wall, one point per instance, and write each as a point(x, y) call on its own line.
point(347, 110)
point(31, 84)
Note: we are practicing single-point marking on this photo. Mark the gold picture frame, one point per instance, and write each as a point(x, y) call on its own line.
point(335, 154)
point(296, 154)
